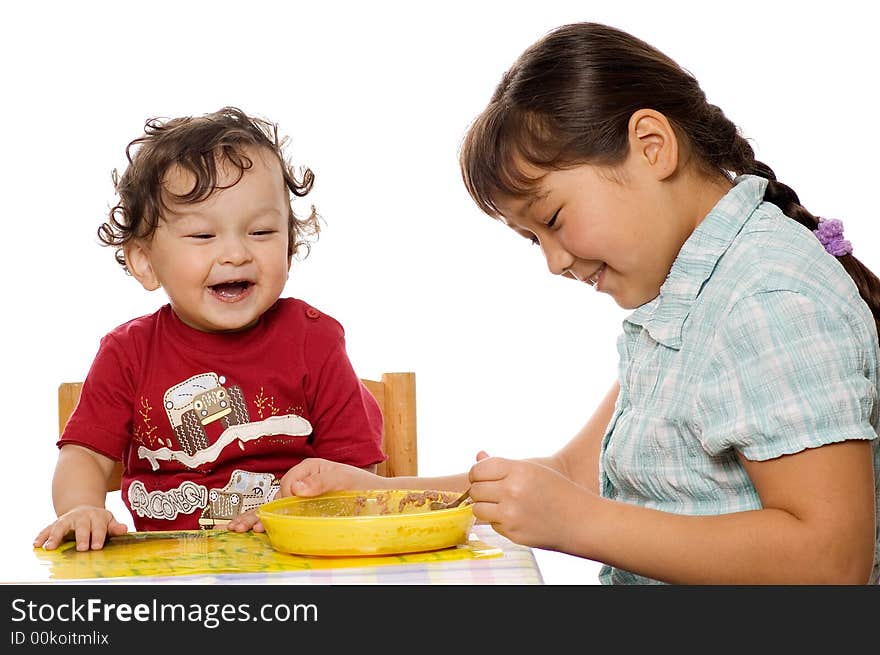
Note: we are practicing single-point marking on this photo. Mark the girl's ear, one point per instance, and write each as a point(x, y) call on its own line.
point(653, 141)
point(137, 259)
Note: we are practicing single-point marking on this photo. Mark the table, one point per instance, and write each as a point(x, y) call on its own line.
point(222, 557)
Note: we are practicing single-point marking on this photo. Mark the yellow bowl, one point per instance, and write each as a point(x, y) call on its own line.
point(371, 522)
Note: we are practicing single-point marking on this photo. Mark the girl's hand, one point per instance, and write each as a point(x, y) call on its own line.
point(88, 525)
point(527, 502)
point(312, 477)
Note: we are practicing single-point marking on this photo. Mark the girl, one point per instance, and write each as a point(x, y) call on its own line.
point(739, 443)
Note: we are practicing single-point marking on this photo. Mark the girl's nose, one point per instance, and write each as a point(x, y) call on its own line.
point(558, 258)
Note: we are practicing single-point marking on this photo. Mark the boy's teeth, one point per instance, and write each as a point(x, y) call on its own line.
point(230, 289)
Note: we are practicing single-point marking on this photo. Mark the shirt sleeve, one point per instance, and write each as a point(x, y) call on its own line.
point(786, 375)
point(346, 419)
point(102, 418)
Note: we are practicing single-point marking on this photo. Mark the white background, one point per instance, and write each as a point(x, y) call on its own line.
point(375, 98)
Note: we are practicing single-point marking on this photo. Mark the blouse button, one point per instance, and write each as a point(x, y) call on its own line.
point(312, 313)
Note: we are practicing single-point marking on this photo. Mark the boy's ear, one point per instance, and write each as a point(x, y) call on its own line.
point(653, 140)
point(137, 259)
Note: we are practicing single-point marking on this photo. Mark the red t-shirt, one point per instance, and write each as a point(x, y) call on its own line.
point(206, 424)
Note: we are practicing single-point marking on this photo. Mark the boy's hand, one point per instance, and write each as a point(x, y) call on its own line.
point(312, 477)
point(86, 524)
point(245, 522)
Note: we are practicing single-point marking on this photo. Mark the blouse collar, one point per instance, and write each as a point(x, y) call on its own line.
point(664, 316)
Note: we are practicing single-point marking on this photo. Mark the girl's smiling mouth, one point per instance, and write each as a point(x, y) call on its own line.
point(593, 280)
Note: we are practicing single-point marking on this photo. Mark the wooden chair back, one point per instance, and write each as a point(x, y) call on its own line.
point(395, 393)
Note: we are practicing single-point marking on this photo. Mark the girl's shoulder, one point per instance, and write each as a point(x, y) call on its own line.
point(778, 261)
point(776, 253)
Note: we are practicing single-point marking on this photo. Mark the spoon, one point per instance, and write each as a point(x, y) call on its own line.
point(455, 503)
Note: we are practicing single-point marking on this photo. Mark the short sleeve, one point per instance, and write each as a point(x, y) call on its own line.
point(346, 419)
point(785, 374)
point(102, 418)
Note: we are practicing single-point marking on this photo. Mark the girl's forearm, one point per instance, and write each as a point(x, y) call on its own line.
point(458, 482)
point(767, 546)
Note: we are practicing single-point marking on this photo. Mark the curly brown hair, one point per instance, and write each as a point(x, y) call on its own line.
point(567, 100)
point(196, 144)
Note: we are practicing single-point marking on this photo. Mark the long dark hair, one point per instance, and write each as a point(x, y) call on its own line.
point(568, 99)
point(196, 143)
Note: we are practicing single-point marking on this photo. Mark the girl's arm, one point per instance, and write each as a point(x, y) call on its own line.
point(578, 460)
point(315, 476)
point(817, 524)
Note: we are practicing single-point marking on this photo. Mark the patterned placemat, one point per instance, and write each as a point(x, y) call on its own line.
point(216, 552)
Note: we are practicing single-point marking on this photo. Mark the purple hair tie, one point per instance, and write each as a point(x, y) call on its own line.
point(830, 235)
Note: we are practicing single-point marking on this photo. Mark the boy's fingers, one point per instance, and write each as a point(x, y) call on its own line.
point(82, 535)
point(49, 543)
point(99, 534)
point(243, 522)
point(89, 530)
point(41, 537)
point(116, 528)
point(55, 534)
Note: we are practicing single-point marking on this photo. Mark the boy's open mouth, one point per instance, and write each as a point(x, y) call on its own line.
point(231, 290)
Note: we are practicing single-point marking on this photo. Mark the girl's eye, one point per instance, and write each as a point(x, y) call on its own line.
point(553, 219)
point(201, 235)
point(261, 233)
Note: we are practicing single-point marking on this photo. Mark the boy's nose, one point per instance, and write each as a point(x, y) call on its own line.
point(234, 251)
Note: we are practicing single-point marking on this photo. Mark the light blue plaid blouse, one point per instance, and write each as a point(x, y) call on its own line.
point(758, 342)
